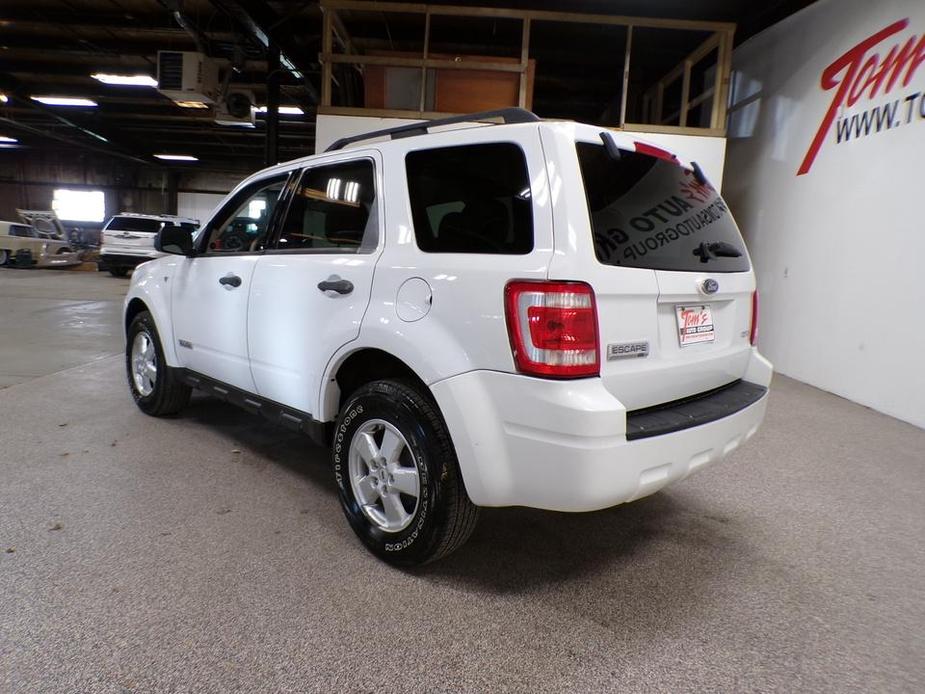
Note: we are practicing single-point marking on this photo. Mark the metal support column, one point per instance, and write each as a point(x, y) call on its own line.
point(272, 139)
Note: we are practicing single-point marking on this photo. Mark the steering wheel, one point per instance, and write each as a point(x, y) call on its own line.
point(234, 241)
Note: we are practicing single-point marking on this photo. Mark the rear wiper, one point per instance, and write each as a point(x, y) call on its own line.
point(611, 145)
point(718, 249)
point(698, 173)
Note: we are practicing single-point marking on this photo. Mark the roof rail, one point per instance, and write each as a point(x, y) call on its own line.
point(507, 115)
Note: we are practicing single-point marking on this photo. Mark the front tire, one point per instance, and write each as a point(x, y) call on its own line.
point(155, 387)
point(4, 257)
point(398, 477)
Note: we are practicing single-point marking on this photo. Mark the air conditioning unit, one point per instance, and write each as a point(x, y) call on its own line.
point(187, 76)
point(236, 108)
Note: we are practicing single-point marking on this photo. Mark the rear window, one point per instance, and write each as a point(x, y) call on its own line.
point(151, 226)
point(146, 226)
point(471, 199)
point(651, 213)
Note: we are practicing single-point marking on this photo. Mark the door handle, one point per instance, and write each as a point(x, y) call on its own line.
point(230, 281)
point(336, 284)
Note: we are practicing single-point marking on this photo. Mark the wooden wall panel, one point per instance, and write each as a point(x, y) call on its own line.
point(456, 91)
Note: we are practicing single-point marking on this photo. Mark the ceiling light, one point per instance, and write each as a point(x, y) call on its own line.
point(63, 101)
point(284, 110)
point(4, 98)
point(191, 104)
point(176, 157)
point(8, 140)
point(125, 80)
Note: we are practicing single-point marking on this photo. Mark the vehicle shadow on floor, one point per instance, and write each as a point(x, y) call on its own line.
point(665, 537)
point(270, 443)
point(669, 535)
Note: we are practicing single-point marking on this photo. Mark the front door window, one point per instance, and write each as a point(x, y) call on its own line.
point(245, 226)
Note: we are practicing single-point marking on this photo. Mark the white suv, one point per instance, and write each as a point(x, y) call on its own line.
point(532, 313)
point(127, 240)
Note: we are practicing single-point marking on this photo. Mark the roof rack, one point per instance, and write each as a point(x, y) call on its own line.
point(507, 115)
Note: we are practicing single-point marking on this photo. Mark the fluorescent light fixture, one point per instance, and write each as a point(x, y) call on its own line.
point(191, 104)
point(284, 110)
point(8, 140)
point(63, 101)
point(176, 157)
point(125, 80)
point(289, 65)
point(352, 191)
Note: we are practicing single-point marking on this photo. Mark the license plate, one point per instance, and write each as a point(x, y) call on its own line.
point(695, 324)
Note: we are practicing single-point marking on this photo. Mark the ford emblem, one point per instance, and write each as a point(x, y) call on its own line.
point(709, 286)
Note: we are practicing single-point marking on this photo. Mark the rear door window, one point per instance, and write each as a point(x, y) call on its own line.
point(332, 210)
point(648, 212)
point(471, 199)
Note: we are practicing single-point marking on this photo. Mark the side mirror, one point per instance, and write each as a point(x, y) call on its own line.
point(175, 240)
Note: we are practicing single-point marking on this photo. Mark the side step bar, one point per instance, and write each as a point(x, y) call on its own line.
point(270, 410)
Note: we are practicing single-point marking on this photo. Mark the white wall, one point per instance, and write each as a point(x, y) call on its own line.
point(331, 128)
point(709, 152)
point(840, 248)
point(197, 205)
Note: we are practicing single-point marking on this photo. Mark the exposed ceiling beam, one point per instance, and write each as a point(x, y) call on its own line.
point(266, 27)
point(89, 25)
point(99, 141)
point(81, 144)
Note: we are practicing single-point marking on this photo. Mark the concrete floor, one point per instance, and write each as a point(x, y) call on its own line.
point(54, 319)
point(208, 553)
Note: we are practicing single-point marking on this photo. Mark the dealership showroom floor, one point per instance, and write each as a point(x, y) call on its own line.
point(208, 552)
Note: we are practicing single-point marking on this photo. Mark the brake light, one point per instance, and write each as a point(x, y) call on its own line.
point(553, 328)
point(658, 152)
point(753, 334)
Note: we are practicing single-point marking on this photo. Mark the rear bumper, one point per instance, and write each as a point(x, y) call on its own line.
point(59, 260)
point(562, 445)
point(113, 260)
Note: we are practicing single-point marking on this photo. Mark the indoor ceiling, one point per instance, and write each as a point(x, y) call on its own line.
point(51, 47)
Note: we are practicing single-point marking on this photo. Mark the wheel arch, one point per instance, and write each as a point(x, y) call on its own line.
point(361, 366)
point(146, 294)
point(132, 309)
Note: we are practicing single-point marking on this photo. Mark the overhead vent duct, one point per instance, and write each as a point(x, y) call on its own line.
point(187, 76)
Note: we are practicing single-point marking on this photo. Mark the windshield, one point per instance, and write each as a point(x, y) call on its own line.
point(648, 212)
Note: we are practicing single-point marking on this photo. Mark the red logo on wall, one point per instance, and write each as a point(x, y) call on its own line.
point(862, 73)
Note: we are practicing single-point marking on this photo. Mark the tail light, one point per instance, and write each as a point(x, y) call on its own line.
point(553, 328)
point(753, 333)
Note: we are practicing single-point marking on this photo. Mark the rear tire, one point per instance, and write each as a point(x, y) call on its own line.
point(391, 443)
point(118, 271)
point(155, 387)
point(4, 257)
